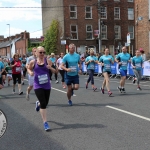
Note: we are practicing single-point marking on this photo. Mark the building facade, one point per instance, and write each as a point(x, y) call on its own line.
point(142, 25)
point(94, 23)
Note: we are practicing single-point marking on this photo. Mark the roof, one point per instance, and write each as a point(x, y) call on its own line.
point(8, 43)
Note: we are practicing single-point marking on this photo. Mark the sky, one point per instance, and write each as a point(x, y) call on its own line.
point(21, 19)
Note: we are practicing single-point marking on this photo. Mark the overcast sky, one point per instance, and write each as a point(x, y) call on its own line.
point(20, 19)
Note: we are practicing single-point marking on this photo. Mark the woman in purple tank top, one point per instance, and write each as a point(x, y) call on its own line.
point(42, 87)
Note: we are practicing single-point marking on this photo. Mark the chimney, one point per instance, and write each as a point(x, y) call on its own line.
point(17, 35)
point(1, 37)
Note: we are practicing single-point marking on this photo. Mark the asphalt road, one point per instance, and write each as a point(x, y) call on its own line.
point(94, 122)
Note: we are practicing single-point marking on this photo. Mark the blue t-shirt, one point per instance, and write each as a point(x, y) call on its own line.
point(71, 61)
point(123, 58)
point(1, 67)
point(91, 65)
point(107, 63)
point(53, 60)
point(137, 62)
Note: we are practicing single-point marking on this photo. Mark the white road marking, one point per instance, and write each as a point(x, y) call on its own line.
point(129, 113)
point(57, 89)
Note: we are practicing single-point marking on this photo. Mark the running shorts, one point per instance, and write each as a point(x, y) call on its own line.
point(71, 79)
point(123, 73)
point(30, 80)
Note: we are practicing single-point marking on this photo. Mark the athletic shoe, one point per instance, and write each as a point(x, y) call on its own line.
point(64, 86)
point(56, 81)
point(86, 86)
point(139, 89)
point(109, 93)
point(13, 91)
point(8, 84)
point(37, 107)
point(46, 126)
point(102, 90)
point(72, 93)
point(123, 90)
point(70, 102)
point(133, 81)
point(20, 93)
point(22, 83)
point(94, 89)
point(27, 96)
point(120, 90)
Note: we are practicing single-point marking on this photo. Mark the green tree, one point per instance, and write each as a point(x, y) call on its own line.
point(51, 38)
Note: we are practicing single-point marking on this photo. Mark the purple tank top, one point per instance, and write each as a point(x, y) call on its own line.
point(41, 76)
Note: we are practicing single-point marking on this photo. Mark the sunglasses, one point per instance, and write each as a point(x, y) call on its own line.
point(42, 52)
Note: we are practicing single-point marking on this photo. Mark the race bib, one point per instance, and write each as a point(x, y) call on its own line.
point(124, 63)
point(18, 69)
point(73, 68)
point(91, 66)
point(43, 79)
point(107, 66)
point(9, 71)
point(138, 65)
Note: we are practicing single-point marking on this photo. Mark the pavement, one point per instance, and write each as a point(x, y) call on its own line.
point(94, 122)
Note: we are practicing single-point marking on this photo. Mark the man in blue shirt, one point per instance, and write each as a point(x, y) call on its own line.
point(1, 71)
point(70, 65)
point(122, 59)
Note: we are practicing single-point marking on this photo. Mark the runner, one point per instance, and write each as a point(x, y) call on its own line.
point(90, 62)
point(70, 65)
point(61, 71)
point(4, 72)
point(24, 70)
point(30, 76)
point(1, 71)
point(16, 73)
point(53, 60)
point(105, 61)
point(137, 64)
point(122, 59)
point(9, 73)
point(40, 70)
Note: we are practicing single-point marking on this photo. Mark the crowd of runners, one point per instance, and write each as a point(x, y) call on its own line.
point(41, 67)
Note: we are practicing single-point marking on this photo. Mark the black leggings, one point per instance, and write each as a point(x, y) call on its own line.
point(43, 97)
point(91, 74)
point(62, 73)
point(52, 73)
point(15, 77)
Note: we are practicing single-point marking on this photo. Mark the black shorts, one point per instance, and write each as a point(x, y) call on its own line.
point(15, 77)
point(4, 73)
point(107, 72)
point(1, 80)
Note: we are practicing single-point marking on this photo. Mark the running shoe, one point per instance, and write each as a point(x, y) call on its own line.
point(64, 86)
point(72, 92)
point(22, 83)
point(37, 107)
point(27, 96)
point(13, 91)
point(120, 90)
point(46, 126)
point(139, 89)
point(70, 102)
point(86, 86)
point(102, 90)
point(56, 81)
point(109, 93)
point(123, 90)
point(20, 93)
point(8, 84)
point(133, 81)
point(94, 89)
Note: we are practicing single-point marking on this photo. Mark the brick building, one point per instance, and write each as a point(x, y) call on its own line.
point(142, 24)
point(17, 44)
point(93, 23)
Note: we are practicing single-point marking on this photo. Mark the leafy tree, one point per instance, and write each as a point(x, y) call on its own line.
point(51, 38)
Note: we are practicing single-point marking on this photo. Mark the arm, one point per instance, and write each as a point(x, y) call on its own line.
point(49, 66)
point(30, 67)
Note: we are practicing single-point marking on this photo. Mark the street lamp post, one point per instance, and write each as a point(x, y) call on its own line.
point(9, 39)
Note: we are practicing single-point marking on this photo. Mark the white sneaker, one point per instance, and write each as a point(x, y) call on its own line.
point(13, 91)
point(56, 81)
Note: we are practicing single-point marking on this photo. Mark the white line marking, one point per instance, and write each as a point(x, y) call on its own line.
point(57, 89)
point(129, 113)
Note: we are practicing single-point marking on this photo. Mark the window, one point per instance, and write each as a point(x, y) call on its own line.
point(73, 12)
point(104, 32)
point(117, 32)
point(117, 13)
point(89, 32)
point(131, 31)
point(88, 12)
point(130, 14)
point(117, 0)
point(111, 50)
point(103, 12)
point(74, 32)
point(130, 0)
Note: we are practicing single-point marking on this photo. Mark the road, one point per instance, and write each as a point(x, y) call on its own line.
point(94, 122)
